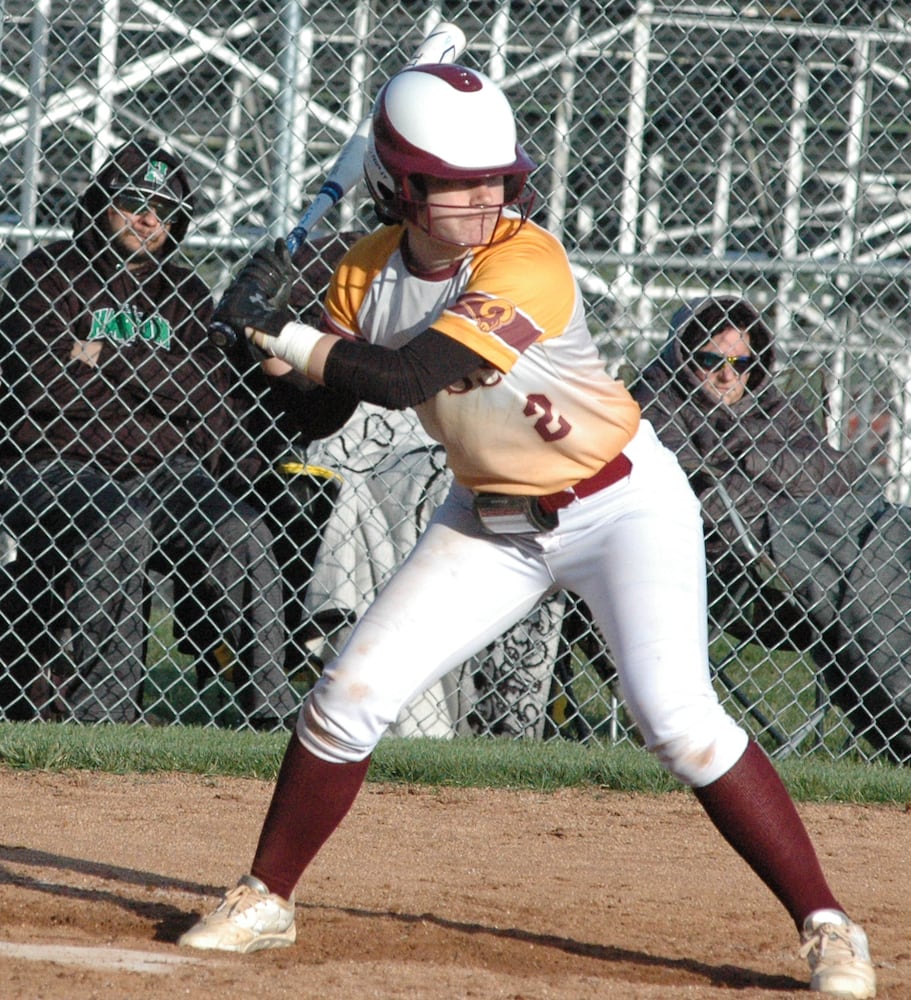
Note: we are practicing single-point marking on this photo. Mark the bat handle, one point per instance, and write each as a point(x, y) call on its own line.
point(295, 239)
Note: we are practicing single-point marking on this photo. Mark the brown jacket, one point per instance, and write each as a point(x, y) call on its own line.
point(159, 387)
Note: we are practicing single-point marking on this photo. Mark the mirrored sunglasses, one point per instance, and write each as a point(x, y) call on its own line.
point(138, 203)
point(710, 361)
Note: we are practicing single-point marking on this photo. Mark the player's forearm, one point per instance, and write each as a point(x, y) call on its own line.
point(395, 379)
point(298, 346)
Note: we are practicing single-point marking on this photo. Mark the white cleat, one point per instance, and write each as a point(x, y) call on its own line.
point(839, 956)
point(248, 918)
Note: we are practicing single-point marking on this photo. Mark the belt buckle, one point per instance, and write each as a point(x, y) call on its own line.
point(508, 514)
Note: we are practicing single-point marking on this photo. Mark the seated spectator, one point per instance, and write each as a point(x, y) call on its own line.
point(712, 400)
point(845, 552)
point(116, 411)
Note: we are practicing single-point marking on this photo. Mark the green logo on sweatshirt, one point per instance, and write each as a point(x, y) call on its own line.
point(125, 325)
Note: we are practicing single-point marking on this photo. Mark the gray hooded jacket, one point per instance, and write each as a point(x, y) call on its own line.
point(843, 551)
point(767, 448)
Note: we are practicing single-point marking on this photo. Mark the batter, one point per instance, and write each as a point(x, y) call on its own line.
point(461, 307)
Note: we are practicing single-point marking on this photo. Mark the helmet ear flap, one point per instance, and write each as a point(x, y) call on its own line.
point(381, 187)
point(514, 185)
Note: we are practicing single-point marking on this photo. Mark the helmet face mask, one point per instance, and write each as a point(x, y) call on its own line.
point(451, 123)
point(471, 226)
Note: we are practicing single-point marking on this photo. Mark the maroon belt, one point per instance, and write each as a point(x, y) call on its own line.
point(615, 470)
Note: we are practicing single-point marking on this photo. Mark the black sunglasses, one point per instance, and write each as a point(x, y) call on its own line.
point(710, 361)
point(138, 203)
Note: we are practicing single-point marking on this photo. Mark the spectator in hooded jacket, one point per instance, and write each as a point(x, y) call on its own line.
point(116, 410)
point(711, 399)
point(843, 550)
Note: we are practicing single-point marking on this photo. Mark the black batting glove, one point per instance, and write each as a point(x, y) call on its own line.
point(258, 297)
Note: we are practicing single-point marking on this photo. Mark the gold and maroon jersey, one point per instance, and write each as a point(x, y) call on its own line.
point(542, 413)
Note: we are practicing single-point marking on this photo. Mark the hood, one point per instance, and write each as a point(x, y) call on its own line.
point(699, 320)
point(140, 165)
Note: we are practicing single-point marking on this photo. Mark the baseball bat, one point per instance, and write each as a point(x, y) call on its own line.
point(443, 44)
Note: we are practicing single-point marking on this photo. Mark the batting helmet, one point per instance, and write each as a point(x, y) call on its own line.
point(446, 121)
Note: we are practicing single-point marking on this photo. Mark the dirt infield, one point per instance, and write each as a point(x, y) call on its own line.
point(422, 894)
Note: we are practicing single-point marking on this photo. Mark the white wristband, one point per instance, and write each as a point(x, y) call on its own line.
point(293, 345)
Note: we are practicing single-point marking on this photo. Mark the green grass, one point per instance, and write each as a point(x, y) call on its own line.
point(783, 686)
point(469, 762)
point(779, 685)
point(172, 692)
point(202, 736)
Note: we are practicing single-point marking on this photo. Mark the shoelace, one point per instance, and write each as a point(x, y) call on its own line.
point(827, 936)
point(237, 899)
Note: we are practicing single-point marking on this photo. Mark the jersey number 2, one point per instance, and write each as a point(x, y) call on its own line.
point(550, 425)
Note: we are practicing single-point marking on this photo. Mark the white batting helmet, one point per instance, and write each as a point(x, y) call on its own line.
point(441, 120)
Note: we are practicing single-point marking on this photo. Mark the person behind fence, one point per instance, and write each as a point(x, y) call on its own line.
point(713, 400)
point(116, 410)
point(465, 309)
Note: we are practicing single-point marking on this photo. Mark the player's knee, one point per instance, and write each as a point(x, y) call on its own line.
point(701, 756)
point(337, 732)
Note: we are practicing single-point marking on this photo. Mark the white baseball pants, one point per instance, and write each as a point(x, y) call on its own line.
point(633, 552)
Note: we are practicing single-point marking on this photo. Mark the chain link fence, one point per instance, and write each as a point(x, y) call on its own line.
point(759, 150)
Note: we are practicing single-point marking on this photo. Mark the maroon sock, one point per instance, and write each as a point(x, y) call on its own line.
point(310, 799)
point(752, 809)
